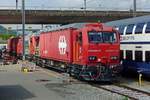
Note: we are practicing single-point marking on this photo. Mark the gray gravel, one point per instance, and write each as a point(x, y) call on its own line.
point(82, 92)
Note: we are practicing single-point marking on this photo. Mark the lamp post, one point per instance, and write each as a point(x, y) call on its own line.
point(23, 29)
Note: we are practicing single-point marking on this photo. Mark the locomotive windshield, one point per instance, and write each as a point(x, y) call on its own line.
point(102, 37)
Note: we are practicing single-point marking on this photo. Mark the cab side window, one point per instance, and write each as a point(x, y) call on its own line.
point(129, 29)
point(79, 38)
point(139, 28)
point(138, 56)
point(147, 56)
point(121, 29)
point(128, 55)
point(121, 55)
point(148, 28)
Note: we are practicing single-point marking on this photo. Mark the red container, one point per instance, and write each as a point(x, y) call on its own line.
point(57, 45)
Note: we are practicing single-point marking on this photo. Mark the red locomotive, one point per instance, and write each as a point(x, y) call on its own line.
point(90, 51)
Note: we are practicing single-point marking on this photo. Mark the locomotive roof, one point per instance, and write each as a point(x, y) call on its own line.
point(74, 25)
point(142, 19)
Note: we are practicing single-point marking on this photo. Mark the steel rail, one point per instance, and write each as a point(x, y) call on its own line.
point(132, 93)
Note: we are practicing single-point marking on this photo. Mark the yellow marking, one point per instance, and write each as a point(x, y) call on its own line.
point(140, 79)
point(25, 70)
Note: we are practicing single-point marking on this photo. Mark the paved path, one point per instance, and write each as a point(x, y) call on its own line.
point(16, 85)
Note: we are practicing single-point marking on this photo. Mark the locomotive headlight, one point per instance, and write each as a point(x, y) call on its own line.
point(92, 58)
point(114, 57)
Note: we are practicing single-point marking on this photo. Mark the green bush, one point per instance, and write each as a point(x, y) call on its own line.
point(6, 36)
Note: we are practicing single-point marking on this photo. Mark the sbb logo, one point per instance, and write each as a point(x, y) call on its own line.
point(62, 45)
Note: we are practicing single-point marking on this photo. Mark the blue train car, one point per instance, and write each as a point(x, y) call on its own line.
point(135, 43)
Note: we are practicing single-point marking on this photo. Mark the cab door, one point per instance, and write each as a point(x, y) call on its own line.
point(77, 47)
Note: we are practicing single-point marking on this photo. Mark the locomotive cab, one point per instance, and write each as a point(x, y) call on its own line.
point(97, 48)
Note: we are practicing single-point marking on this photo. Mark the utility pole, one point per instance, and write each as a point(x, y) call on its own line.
point(23, 29)
point(16, 4)
point(84, 4)
point(134, 8)
point(16, 11)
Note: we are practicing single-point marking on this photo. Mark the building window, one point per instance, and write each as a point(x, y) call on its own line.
point(129, 29)
point(147, 56)
point(121, 29)
point(128, 55)
point(138, 56)
point(139, 28)
point(147, 28)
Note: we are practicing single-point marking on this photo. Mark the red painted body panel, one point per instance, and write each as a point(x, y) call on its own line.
point(104, 52)
point(56, 45)
point(9, 44)
point(12, 44)
point(19, 47)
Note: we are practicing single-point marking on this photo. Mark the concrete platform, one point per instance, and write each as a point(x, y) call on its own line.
point(134, 83)
point(16, 85)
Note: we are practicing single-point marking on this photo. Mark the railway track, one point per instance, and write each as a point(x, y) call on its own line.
point(131, 93)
